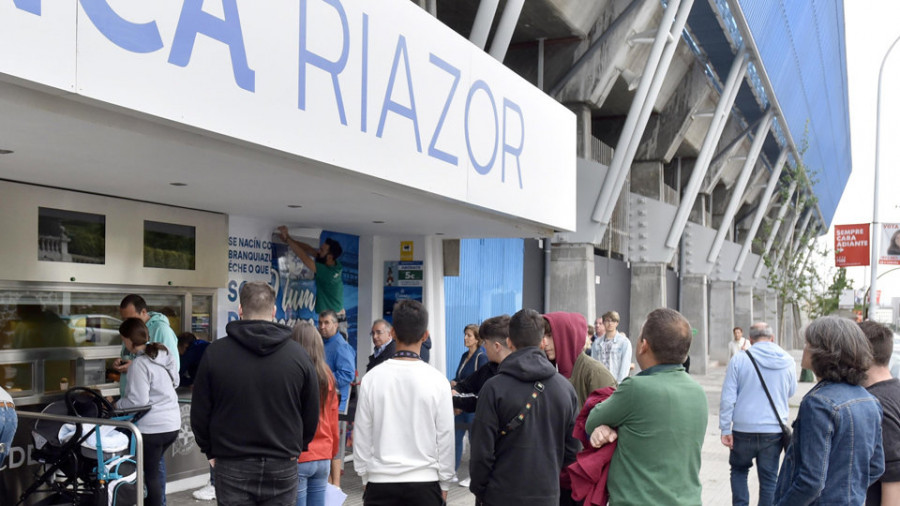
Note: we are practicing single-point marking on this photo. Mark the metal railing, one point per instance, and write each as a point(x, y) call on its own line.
point(138, 441)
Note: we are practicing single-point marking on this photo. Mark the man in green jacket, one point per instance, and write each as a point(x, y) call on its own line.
point(659, 419)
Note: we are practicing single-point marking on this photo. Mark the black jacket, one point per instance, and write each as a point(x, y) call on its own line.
point(522, 467)
point(469, 388)
point(255, 394)
point(387, 353)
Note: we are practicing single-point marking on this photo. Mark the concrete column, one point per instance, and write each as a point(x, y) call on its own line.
point(648, 292)
point(647, 179)
point(721, 319)
point(582, 129)
point(771, 314)
point(759, 306)
point(743, 307)
point(695, 307)
point(572, 279)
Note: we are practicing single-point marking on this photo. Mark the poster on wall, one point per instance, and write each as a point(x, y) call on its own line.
point(249, 259)
point(402, 280)
point(890, 240)
point(295, 284)
point(350, 276)
point(851, 245)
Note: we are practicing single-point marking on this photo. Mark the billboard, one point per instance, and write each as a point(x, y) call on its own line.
point(851, 245)
point(890, 244)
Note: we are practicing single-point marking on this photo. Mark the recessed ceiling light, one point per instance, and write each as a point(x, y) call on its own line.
point(294, 206)
point(377, 221)
point(438, 233)
point(178, 184)
point(6, 151)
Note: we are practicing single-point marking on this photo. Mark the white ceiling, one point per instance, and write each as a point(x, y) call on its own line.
point(64, 141)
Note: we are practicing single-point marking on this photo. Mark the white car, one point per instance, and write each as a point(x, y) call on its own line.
point(97, 329)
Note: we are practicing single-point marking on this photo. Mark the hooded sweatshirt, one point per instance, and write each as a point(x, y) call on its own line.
point(586, 374)
point(152, 383)
point(255, 395)
point(744, 406)
point(523, 466)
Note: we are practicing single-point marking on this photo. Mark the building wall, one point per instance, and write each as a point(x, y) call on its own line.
point(489, 284)
point(613, 290)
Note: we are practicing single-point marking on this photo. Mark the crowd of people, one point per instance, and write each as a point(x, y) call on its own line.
point(554, 410)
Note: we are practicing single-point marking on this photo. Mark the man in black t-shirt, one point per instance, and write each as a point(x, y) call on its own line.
point(886, 388)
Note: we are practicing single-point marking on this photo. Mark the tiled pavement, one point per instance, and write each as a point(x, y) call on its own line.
point(714, 473)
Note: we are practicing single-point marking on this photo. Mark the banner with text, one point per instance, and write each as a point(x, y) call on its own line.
point(890, 240)
point(402, 280)
point(851, 245)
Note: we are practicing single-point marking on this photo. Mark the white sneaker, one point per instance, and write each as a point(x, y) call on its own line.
point(455, 479)
point(465, 482)
point(207, 493)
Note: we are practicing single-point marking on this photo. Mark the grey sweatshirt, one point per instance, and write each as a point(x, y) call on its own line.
point(152, 382)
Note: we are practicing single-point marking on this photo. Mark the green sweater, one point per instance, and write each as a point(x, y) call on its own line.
point(661, 416)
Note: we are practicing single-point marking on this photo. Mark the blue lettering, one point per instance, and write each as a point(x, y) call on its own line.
point(134, 37)
point(432, 150)
point(332, 67)
point(390, 105)
point(364, 85)
point(194, 21)
point(232, 291)
point(481, 85)
point(32, 6)
point(233, 316)
point(508, 148)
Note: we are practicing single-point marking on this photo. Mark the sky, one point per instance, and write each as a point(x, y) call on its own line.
point(870, 29)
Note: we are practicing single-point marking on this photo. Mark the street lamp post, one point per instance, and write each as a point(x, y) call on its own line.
point(876, 233)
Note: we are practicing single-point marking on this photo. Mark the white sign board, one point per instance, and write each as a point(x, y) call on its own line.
point(377, 88)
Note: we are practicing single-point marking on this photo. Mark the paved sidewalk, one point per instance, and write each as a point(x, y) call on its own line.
point(714, 473)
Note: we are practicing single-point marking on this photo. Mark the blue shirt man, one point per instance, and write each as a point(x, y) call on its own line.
point(340, 356)
point(749, 426)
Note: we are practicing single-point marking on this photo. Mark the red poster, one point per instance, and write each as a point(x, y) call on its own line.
point(851, 245)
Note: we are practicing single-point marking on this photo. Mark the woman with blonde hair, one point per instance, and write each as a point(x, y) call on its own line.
point(314, 464)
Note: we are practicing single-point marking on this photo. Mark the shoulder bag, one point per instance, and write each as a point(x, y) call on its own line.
point(785, 430)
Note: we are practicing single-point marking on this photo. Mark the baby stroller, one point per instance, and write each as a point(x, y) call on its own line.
point(76, 468)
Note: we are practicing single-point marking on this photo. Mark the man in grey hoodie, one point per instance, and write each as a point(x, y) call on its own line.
point(748, 423)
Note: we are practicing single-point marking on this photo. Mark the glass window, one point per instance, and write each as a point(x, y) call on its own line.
point(70, 236)
point(169, 246)
point(200, 316)
point(44, 320)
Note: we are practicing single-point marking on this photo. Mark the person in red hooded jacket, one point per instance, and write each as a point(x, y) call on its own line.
point(564, 345)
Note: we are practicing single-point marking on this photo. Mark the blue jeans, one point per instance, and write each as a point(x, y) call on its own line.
point(260, 481)
point(8, 423)
point(462, 418)
point(312, 480)
point(766, 449)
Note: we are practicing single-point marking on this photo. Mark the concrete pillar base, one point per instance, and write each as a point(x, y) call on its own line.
point(572, 279)
point(759, 306)
point(648, 292)
point(721, 319)
point(695, 307)
point(743, 307)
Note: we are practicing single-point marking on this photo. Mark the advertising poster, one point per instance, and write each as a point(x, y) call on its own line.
point(350, 275)
point(402, 280)
point(249, 259)
point(851, 245)
point(295, 285)
point(890, 240)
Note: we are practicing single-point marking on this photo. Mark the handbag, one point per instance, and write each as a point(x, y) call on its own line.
point(786, 432)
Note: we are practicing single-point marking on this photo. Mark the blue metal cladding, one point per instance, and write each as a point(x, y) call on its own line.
point(802, 46)
point(489, 284)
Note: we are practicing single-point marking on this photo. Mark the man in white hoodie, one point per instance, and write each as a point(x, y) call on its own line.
point(748, 423)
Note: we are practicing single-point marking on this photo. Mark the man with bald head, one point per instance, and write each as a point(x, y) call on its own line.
point(749, 426)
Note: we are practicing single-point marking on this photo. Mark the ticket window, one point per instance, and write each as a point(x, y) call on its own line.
point(50, 340)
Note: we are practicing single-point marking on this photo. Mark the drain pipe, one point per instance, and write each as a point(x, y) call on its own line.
point(547, 250)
